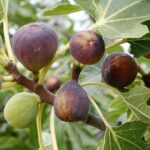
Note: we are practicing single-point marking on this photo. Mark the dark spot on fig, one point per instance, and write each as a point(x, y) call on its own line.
point(146, 79)
point(53, 83)
point(87, 47)
point(34, 45)
point(119, 70)
point(71, 102)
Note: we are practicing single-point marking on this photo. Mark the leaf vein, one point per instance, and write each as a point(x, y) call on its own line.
point(128, 6)
point(129, 141)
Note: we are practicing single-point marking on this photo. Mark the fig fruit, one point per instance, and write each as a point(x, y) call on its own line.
point(87, 47)
point(146, 79)
point(119, 70)
point(53, 83)
point(71, 102)
point(21, 110)
point(34, 45)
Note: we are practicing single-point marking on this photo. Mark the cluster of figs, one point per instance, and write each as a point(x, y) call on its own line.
point(35, 45)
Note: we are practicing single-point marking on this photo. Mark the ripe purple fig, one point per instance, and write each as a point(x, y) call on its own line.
point(87, 47)
point(146, 79)
point(119, 70)
point(53, 83)
point(71, 102)
point(34, 45)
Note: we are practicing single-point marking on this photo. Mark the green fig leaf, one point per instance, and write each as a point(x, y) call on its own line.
point(137, 101)
point(61, 9)
point(119, 19)
point(93, 7)
point(128, 136)
point(141, 46)
point(13, 143)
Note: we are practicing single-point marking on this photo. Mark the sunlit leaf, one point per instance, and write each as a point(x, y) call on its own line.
point(61, 9)
point(121, 19)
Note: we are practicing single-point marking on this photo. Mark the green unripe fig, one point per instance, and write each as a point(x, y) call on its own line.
point(21, 110)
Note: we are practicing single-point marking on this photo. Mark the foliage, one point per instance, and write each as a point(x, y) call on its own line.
point(118, 22)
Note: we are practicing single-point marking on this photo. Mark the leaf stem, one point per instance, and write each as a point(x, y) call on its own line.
point(93, 102)
point(7, 39)
point(99, 112)
point(44, 70)
point(8, 85)
point(116, 43)
point(52, 129)
point(100, 84)
point(7, 78)
point(39, 126)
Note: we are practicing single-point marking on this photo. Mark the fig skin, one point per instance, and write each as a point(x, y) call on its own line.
point(34, 45)
point(22, 109)
point(146, 79)
point(87, 47)
point(119, 70)
point(53, 83)
point(71, 102)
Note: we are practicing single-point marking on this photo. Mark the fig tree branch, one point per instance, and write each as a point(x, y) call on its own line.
point(45, 95)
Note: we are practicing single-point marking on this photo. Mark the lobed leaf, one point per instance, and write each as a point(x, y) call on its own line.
point(141, 46)
point(61, 9)
point(137, 100)
point(93, 7)
point(119, 19)
point(127, 136)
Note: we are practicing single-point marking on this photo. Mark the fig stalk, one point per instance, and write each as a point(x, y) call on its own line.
point(76, 69)
point(96, 122)
point(45, 95)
